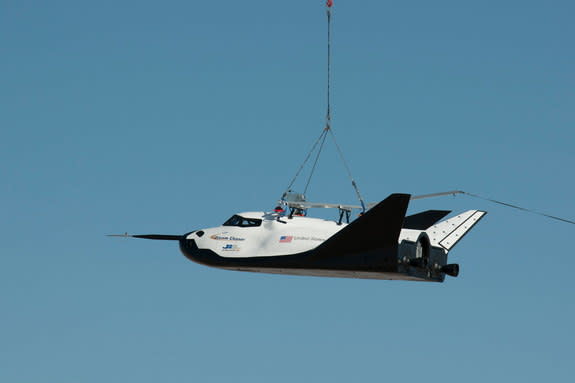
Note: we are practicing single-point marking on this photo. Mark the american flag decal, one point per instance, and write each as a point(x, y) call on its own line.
point(286, 238)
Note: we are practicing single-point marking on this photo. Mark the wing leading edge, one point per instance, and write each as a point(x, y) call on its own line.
point(424, 220)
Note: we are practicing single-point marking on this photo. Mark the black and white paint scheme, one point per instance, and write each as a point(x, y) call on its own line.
point(382, 243)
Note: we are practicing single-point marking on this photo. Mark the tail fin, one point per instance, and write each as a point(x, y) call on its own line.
point(447, 233)
point(378, 228)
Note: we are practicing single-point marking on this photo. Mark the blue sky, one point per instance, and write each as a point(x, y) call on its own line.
point(168, 117)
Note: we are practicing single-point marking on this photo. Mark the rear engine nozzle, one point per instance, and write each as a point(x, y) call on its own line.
point(451, 269)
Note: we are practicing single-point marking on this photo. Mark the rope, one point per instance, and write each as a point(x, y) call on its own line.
point(304, 162)
point(324, 133)
point(519, 208)
point(328, 114)
point(327, 129)
point(353, 183)
point(329, 4)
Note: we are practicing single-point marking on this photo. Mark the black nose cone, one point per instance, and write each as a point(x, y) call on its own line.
point(188, 247)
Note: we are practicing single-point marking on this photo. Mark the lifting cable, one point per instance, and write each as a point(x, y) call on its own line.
point(517, 207)
point(327, 129)
point(304, 162)
point(328, 114)
point(506, 204)
point(324, 133)
point(329, 4)
point(353, 183)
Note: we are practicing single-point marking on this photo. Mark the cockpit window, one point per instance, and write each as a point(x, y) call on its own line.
point(236, 220)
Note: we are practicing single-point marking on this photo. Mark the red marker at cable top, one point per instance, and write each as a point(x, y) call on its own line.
point(329, 3)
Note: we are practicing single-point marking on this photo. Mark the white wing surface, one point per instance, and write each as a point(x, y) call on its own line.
point(447, 233)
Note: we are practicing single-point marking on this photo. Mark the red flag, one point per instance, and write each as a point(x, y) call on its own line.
point(329, 3)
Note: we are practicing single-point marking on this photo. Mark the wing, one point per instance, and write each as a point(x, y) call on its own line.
point(447, 233)
point(424, 220)
point(378, 228)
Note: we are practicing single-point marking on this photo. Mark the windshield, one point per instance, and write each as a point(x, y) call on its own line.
point(236, 220)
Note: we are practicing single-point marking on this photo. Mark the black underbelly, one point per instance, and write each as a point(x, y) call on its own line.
point(376, 260)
